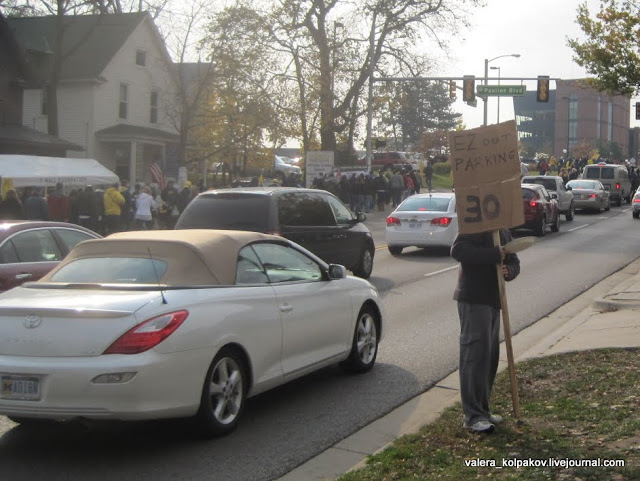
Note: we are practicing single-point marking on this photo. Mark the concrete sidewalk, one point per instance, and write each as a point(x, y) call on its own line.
point(611, 318)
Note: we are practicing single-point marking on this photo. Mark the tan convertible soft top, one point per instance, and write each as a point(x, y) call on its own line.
point(194, 256)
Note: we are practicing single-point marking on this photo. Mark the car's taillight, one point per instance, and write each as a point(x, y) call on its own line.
point(593, 196)
point(391, 221)
point(533, 203)
point(636, 200)
point(147, 334)
point(617, 186)
point(441, 221)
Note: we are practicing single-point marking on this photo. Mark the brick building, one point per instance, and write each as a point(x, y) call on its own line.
point(574, 114)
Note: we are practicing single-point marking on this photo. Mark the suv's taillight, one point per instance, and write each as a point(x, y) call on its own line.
point(147, 334)
point(617, 186)
point(391, 221)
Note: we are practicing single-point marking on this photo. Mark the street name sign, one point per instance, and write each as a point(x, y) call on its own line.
point(501, 90)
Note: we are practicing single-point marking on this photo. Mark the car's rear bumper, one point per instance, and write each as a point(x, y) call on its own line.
point(421, 238)
point(164, 386)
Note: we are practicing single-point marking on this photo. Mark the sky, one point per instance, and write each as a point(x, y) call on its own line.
point(535, 29)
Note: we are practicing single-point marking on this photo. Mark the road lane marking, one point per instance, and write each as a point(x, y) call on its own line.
point(579, 227)
point(441, 271)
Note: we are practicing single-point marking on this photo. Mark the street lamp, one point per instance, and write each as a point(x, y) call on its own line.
point(568, 99)
point(498, 69)
point(486, 77)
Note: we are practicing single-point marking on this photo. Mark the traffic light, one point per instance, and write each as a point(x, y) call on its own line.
point(452, 89)
point(469, 88)
point(543, 88)
point(637, 110)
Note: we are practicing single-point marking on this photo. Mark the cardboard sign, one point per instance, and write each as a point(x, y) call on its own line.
point(486, 174)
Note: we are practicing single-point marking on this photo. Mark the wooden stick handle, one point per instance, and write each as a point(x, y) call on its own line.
point(507, 332)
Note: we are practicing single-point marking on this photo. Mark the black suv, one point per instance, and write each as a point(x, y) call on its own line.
point(315, 219)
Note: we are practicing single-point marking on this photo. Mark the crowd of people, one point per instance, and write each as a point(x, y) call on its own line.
point(105, 209)
point(363, 192)
point(570, 169)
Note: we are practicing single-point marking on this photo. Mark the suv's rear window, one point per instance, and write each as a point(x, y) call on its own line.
point(549, 184)
point(226, 211)
point(528, 194)
point(599, 173)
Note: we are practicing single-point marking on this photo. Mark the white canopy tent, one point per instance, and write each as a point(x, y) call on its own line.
point(31, 170)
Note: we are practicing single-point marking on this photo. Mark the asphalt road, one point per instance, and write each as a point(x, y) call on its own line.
point(285, 427)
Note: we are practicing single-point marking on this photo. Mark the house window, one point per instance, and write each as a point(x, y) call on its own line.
point(44, 107)
point(153, 107)
point(141, 58)
point(124, 101)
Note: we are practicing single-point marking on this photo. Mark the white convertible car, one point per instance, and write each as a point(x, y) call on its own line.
point(161, 324)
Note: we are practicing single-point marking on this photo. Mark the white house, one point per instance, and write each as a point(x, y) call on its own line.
point(116, 85)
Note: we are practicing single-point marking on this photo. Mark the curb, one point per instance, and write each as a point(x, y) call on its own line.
point(605, 305)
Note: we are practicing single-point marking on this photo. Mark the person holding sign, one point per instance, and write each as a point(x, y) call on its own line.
point(479, 303)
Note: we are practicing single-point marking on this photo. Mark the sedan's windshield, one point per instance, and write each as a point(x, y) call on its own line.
point(112, 270)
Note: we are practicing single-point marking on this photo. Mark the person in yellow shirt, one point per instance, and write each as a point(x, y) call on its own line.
point(113, 202)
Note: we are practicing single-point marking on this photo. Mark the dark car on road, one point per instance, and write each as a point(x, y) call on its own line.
point(540, 209)
point(315, 219)
point(30, 249)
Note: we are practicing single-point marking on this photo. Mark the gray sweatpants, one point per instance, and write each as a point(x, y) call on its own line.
point(479, 356)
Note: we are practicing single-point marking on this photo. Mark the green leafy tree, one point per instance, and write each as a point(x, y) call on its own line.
point(611, 51)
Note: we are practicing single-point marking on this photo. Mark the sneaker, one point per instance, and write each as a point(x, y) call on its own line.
point(495, 418)
point(482, 427)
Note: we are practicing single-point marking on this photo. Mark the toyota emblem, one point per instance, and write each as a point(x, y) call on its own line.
point(32, 321)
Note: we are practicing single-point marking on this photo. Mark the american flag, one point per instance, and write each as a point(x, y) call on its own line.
point(158, 176)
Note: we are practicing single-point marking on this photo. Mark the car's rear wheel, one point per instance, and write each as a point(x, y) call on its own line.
point(601, 207)
point(619, 201)
point(608, 207)
point(636, 215)
point(364, 347)
point(541, 229)
point(395, 250)
point(572, 212)
point(223, 394)
point(365, 266)
point(555, 227)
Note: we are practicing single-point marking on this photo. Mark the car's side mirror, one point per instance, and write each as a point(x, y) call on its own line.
point(554, 196)
point(337, 271)
point(568, 187)
point(361, 217)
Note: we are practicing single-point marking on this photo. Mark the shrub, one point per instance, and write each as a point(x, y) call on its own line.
point(442, 168)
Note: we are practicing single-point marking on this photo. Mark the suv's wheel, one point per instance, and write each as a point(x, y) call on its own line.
point(608, 206)
point(223, 394)
point(555, 227)
point(365, 266)
point(395, 250)
point(541, 228)
point(572, 210)
point(619, 201)
point(635, 214)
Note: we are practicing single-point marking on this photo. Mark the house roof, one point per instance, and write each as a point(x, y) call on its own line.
point(23, 136)
point(12, 50)
point(89, 41)
point(126, 131)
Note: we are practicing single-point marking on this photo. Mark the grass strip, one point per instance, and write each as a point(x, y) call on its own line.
point(575, 408)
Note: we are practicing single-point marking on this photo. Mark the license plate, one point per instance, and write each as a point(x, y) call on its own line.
point(25, 388)
point(415, 225)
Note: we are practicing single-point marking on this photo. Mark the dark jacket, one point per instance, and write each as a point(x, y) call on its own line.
point(35, 208)
point(477, 279)
point(11, 209)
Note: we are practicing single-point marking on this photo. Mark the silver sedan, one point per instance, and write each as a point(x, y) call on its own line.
point(590, 194)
